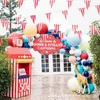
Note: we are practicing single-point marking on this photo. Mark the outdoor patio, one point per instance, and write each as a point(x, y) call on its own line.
point(54, 87)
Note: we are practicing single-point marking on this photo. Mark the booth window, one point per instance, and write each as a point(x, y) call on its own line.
point(56, 62)
point(45, 63)
point(67, 64)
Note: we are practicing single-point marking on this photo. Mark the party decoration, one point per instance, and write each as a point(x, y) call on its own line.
point(84, 56)
point(37, 35)
point(69, 3)
point(77, 52)
point(33, 17)
point(87, 2)
point(51, 2)
point(48, 15)
point(74, 28)
point(5, 2)
point(23, 26)
point(42, 28)
point(65, 13)
point(57, 26)
point(62, 51)
point(73, 87)
point(82, 10)
point(71, 52)
point(35, 3)
point(20, 2)
point(72, 59)
point(30, 30)
point(73, 39)
point(98, 8)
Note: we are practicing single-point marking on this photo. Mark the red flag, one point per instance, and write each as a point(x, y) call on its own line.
point(6, 23)
point(23, 25)
point(51, 2)
point(94, 30)
point(98, 8)
point(39, 26)
point(48, 16)
point(0, 41)
point(35, 3)
point(82, 10)
point(18, 19)
point(61, 35)
point(65, 13)
point(79, 33)
point(57, 27)
point(87, 2)
point(69, 3)
point(33, 17)
point(74, 28)
point(5, 3)
point(2, 22)
point(20, 2)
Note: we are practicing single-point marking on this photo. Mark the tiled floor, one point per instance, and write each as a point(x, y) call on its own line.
point(55, 88)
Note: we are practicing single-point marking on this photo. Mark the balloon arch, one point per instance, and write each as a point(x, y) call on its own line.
point(70, 49)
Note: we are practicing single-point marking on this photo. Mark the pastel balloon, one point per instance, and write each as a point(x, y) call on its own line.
point(73, 39)
point(62, 51)
point(78, 58)
point(37, 35)
point(71, 52)
point(72, 59)
point(73, 87)
point(30, 30)
point(77, 52)
point(72, 48)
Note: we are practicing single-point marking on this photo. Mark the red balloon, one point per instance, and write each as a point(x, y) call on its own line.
point(12, 38)
point(84, 56)
point(90, 77)
point(42, 28)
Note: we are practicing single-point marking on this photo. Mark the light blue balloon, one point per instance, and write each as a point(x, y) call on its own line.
point(80, 69)
point(92, 88)
point(25, 38)
point(78, 58)
point(62, 51)
point(73, 39)
point(77, 52)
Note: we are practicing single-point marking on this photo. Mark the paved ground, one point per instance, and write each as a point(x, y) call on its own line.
point(55, 88)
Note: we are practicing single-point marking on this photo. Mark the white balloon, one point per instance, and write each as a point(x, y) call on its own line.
point(37, 35)
point(73, 84)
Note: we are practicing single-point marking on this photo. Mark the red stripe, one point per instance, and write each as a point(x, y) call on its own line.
point(87, 2)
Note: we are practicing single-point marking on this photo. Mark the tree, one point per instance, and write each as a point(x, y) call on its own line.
point(9, 13)
point(95, 50)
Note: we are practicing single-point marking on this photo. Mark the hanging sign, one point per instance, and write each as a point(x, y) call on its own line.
point(47, 44)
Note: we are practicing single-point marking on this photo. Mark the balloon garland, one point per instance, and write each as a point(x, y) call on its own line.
point(71, 50)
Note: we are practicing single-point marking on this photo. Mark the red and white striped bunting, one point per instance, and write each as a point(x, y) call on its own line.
point(5, 2)
point(18, 19)
point(87, 2)
point(98, 8)
point(65, 13)
point(74, 28)
point(23, 25)
point(69, 3)
point(39, 26)
point(20, 2)
point(57, 26)
point(35, 3)
point(33, 17)
point(48, 15)
point(51, 2)
point(79, 33)
point(82, 10)
point(61, 35)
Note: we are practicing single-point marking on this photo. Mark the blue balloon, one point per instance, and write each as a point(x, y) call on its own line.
point(85, 63)
point(25, 38)
point(25, 45)
point(91, 87)
point(68, 47)
point(89, 63)
point(73, 39)
point(77, 52)
point(49, 31)
point(80, 69)
point(86, 73)
point(65, 43)
point(62, 51)
point(56, 35)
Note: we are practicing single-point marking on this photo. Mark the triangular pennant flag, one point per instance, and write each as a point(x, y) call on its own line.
point(87, 2)
point(57, 27)
point(61, 35)
point(69, 3)
point(23, 25)
point(5, 3)
point(48, 16)
point(65, 13)
point(51, 2)
point(33, 17)
point(18, 19)
point(20, 2)
point(94, 30)
point(6, 23)
point(39, 26)
point(79, 33)
point(35, 3)
point(74, 28)
point(2, 22)
point(82, 10)
point(1, 42)
point(98, 8)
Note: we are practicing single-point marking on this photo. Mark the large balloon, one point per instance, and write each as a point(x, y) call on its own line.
point(12, 39)
point(73, 39)
point(84, 56)
point(73, 84)
point(42, 28)
point(30, 30)
point(72, 59)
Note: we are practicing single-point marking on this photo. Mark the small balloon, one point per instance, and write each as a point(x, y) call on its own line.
point(71, 52)
point(37, 35)
point(25, 38)
point(77, 52)
point(72, 59)
point(86, 74)
point(62, 51)
point(84, 56)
